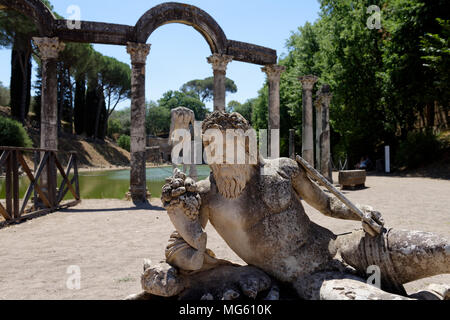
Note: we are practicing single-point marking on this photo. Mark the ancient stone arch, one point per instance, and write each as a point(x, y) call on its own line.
point(36, 10)
point(53, 32)
point(173, 12)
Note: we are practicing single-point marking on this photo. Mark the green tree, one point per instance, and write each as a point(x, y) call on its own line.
point(116, 83)
point(158, 120)
point(124, 118)
point(245, 109)
point(16, 32)
point(4, 95)
point(13, 134)
point(436, 55)
point(204, 89)
point(124, 142)
point(174, 99)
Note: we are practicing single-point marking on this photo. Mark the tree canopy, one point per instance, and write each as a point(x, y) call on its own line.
point(204, 89)
point(382, 80)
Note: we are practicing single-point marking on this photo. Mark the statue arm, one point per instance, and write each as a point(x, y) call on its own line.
point(189, 214)
point(318, 199)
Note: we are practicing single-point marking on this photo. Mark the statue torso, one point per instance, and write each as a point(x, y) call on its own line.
point(268, 227)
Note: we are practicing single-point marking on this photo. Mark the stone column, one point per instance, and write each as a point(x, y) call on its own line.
point(307, 123)
point(138, 185)
point(318, 107)
point(324, 99)
point(273, 76)
point(219, 63)
point(292, 144)
point(49, 49)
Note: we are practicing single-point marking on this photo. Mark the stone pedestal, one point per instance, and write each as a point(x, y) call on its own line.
point(138, 186)
point(49, 49)
point(219, 63)
point(307, 124)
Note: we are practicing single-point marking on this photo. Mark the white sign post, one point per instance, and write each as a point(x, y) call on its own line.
point(387, 154)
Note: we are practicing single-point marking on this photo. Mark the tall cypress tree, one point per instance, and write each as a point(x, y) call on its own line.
point(80, 105)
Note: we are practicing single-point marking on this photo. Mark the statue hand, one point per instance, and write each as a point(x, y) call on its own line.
point(375, 222)
point(181, 191)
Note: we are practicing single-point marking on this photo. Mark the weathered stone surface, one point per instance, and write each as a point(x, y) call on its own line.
point(273, 73)
point(186, 14)
point(162, 280)
point(352, 178)
point(49, 49)
point(261, 218)
point(348, 289)
point(251, 53)
point(182, 118)
point(219, 64)
point(138, 187)
point(223, 282)
point(307, 116)
point(110, 33)
point(325, 97)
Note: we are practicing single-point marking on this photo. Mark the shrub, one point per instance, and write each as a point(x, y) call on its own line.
point(13, 134)
point(420, 148)
point(124, 142)
point(114, 127)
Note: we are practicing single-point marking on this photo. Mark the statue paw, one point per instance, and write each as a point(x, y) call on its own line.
point(251, 286)
point(162, 280)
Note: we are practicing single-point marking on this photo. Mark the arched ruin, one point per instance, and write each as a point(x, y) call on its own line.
point(53, 32)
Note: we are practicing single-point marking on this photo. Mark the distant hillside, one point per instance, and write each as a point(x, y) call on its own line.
point(91, 154)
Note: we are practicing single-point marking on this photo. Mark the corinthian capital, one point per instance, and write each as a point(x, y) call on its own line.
point(273, 71)
point(219, 61)
point(49, 47)
point(308, 81)
point(138, 51)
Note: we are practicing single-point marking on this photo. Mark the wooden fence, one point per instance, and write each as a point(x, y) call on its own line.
point(47, 197)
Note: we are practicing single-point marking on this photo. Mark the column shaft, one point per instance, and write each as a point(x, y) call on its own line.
point(49, 49)
point(325, 143)
point(318, 106)
point(219, 63)
point(292, 144)
point(138, 184)
point(219, 90)
point(273, 76)
point(307, 115)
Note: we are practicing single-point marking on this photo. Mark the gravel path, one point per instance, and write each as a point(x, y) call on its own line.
point(108, 240)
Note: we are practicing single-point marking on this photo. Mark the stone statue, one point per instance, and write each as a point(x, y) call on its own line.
point(182, 118)
point(262, 219)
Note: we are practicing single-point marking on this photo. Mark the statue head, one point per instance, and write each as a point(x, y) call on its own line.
point(231, 151)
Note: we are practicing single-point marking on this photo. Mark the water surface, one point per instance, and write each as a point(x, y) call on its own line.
point(112, 184)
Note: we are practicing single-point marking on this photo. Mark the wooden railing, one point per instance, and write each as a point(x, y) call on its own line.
point(42, 183)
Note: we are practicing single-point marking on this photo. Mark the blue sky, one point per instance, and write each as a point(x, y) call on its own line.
point(179, 52)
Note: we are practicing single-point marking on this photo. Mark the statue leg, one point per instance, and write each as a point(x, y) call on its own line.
point(181, 255)
point(418, 255)
point(402, 256)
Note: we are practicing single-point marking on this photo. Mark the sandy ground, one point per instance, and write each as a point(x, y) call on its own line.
point(108, 240)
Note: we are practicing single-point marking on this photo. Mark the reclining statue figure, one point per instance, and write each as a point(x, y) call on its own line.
point(262, 219)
